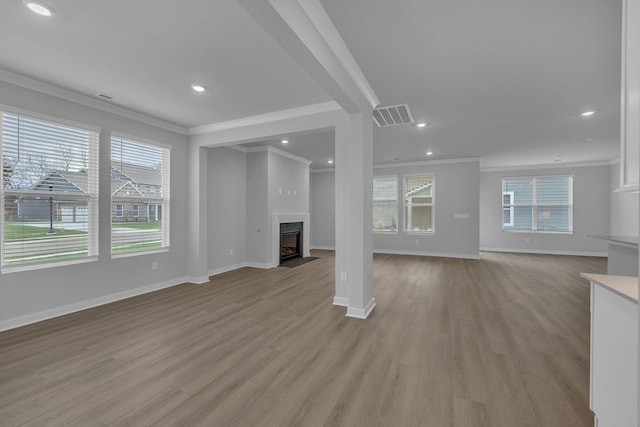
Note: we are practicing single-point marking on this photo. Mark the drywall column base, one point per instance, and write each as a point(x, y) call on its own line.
point(354, 239)
point(197, 271)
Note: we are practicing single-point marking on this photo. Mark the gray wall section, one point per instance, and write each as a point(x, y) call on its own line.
point(456, 191)
point(323, 207)
point(46, 290)
point(288, 185)
point(624, 208)
point(227, 210)
point(591, 194)
point(258, 221)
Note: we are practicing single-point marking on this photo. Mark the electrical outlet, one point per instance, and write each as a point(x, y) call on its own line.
point(154, 265)
point(343, 276)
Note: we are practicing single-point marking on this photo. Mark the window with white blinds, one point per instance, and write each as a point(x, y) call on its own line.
point(139, 196)
point(542, 204)
point(49, 199)
point(419, 203)
point(385, 204)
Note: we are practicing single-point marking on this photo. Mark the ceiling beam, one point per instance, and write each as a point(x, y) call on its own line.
point(305, 32)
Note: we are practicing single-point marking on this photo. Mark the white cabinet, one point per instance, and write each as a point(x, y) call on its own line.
point(613, 395)
point(630, 105)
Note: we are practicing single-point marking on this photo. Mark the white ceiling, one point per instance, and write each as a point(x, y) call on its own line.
point(148, 52)
point(504, 81)
point(501, 80)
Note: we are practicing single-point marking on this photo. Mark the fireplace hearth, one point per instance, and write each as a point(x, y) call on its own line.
point(290, 240)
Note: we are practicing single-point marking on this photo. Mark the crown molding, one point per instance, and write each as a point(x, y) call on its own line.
point(259, 119)
point(426, 163)
point(550, 166)
point(322, 170)
point(87, 101)
point(272, 149)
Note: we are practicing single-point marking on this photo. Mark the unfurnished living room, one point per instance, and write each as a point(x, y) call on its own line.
point(319, 213)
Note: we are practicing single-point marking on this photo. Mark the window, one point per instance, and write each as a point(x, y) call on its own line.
point(542, 204)
point(119, 210)
point(419, 204)
point(135, 167)
point(385, 204)
point(507, 208)
point(49, 191)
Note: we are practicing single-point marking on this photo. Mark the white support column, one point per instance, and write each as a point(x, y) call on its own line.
point(354, 238)
point(197, 227)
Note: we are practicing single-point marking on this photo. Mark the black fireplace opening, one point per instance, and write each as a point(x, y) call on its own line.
point(290, 240)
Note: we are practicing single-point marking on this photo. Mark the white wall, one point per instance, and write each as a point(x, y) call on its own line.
point(323, 209)
point(258, 211)
point(227, 209)
point(591, 197)
point(456, 191)
point(624, 208)
point(288, 185)
point(37, 294)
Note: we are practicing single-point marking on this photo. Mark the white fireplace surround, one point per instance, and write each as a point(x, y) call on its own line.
point(280, 218)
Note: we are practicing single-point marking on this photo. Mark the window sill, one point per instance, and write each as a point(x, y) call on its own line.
point(30, 267)
point(537, 232)
point(384, 232)
point(138, 253)
point(418, 233)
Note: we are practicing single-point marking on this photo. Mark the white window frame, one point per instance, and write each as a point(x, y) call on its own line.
point(535, 206)
point(405, 205)
point(119, 210)
point(165, 202)
point(135, 209)
point(511, 194)
point(92, 196)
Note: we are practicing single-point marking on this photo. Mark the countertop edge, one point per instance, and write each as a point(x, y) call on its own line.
point(625, 286)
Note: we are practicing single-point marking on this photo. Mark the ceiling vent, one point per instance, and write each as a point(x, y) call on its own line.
point(106, 97)
point(393, 115)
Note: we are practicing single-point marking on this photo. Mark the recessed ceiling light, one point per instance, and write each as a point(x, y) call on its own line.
point(285, 141)
point(39, 8)
point(428, 153)
point(421, 124)
point(198, 88)
point(587, 113)
point(330, 162)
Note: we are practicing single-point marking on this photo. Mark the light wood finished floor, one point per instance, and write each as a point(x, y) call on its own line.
point(503, 341)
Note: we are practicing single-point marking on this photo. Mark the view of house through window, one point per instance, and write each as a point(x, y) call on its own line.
point(385, 203)
point(49, 191)
point(538, 204)
point(139, 196)
point(419, 203)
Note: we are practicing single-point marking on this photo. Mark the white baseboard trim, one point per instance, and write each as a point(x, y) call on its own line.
point(260, 265)
point(227, 268)
point(435, 254)
point(362, 313)
point(83, 305)
point(341, 301)
point(544, 252)
point(324, 248)
point(197, 280)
